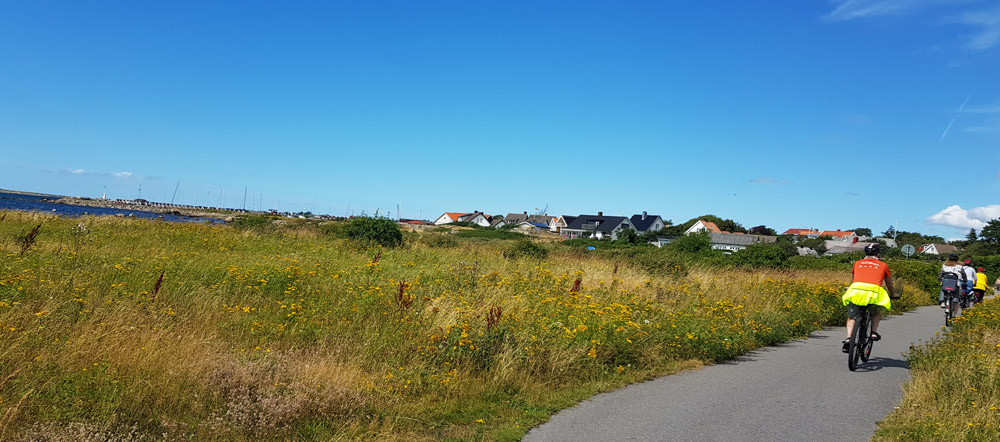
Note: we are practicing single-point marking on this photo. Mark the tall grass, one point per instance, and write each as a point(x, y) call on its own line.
point(147, 330)
point(955, 391)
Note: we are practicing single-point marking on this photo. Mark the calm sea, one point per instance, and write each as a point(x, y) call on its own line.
point(34, 203)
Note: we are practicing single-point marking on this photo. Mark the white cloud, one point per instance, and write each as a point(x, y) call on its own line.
point(82, 172)
point(959, 218)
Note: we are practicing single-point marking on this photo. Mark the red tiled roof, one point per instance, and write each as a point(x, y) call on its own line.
point(835, 233)
point(455, 215)
point(710, 226)
point(801, 232)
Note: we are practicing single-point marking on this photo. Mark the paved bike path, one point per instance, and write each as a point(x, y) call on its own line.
point(799, 391)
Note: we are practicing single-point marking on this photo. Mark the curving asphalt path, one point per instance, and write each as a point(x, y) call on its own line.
point(794, 392)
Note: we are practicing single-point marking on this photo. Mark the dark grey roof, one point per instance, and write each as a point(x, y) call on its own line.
point(643, 225)
point(740, 239)
point(568, 219)
point(596, 223)
point(514, 218)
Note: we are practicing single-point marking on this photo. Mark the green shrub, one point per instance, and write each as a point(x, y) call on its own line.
point(438, 240)
point(251, 222)
point(335, 229)
point(382, 231)
point(490, 234)
point(525, 249)
point(694, 243)
point(919, 273)
point(761, 256)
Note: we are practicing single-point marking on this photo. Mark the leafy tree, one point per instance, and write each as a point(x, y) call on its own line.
point(673, 231)
point(889, 233)
point(695, 243)
point(863, 231)
point(383, 231)
point(763, 230)
point(628, 236)
point(916, 239)
point(817, 244)
point(991, 232)
point(728, 225)
point(762, 256)
point(972, 236)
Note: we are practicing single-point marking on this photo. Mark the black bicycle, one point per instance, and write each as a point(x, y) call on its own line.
point(952, 306)
point(860, 347)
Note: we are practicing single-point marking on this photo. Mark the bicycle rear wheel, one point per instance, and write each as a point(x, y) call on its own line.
point(866, 348)
point(948, 313)
point(856, 346)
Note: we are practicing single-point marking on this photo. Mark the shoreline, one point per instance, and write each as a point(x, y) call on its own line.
point(21, 192)
point(165, 209)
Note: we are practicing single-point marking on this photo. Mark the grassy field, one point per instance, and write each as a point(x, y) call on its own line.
point(955, 391)
point(131, 329)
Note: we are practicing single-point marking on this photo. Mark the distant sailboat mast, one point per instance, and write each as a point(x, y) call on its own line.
point(175, 192)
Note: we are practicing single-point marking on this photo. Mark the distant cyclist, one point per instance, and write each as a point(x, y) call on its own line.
point(970, 278)
point(952, 276)
point(866, 289)
point(981, 282)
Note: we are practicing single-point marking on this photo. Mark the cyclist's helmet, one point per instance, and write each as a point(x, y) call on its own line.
point(953, 257)
point(968, 262)
point(873, 249)
point(979, 269)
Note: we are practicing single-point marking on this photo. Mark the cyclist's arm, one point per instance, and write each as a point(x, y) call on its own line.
point(888, 285)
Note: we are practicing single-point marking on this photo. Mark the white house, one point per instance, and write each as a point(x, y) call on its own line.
point(703, 225)
point(559, 223)
point(937, 249)
point(478, 218)
point(449, 217)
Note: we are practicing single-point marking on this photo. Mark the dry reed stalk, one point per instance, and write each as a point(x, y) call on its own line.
point(403, 299)
point(159, 283)
point(493, 317)
point(29, 239)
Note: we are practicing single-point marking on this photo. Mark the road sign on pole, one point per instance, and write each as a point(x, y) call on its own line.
point(908, 250)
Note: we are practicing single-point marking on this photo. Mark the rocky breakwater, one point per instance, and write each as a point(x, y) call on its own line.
point(147, 206)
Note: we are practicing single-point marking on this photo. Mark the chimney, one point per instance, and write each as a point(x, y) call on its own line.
point(525, 212)
point(600, 213)
point(643, 215)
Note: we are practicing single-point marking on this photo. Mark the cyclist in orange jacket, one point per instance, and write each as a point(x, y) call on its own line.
point(866, 289)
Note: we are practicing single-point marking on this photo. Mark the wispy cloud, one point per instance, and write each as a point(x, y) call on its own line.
point(769, 180)
point(959, 218)
point(989, 109)
point(855, 9)
point(988, 25)
point(985, 22)
point(83, 172)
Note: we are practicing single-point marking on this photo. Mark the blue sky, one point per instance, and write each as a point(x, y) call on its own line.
point(792, 114)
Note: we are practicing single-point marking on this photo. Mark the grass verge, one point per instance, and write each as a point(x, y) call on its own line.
point(145, 330)
point(954, 394)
